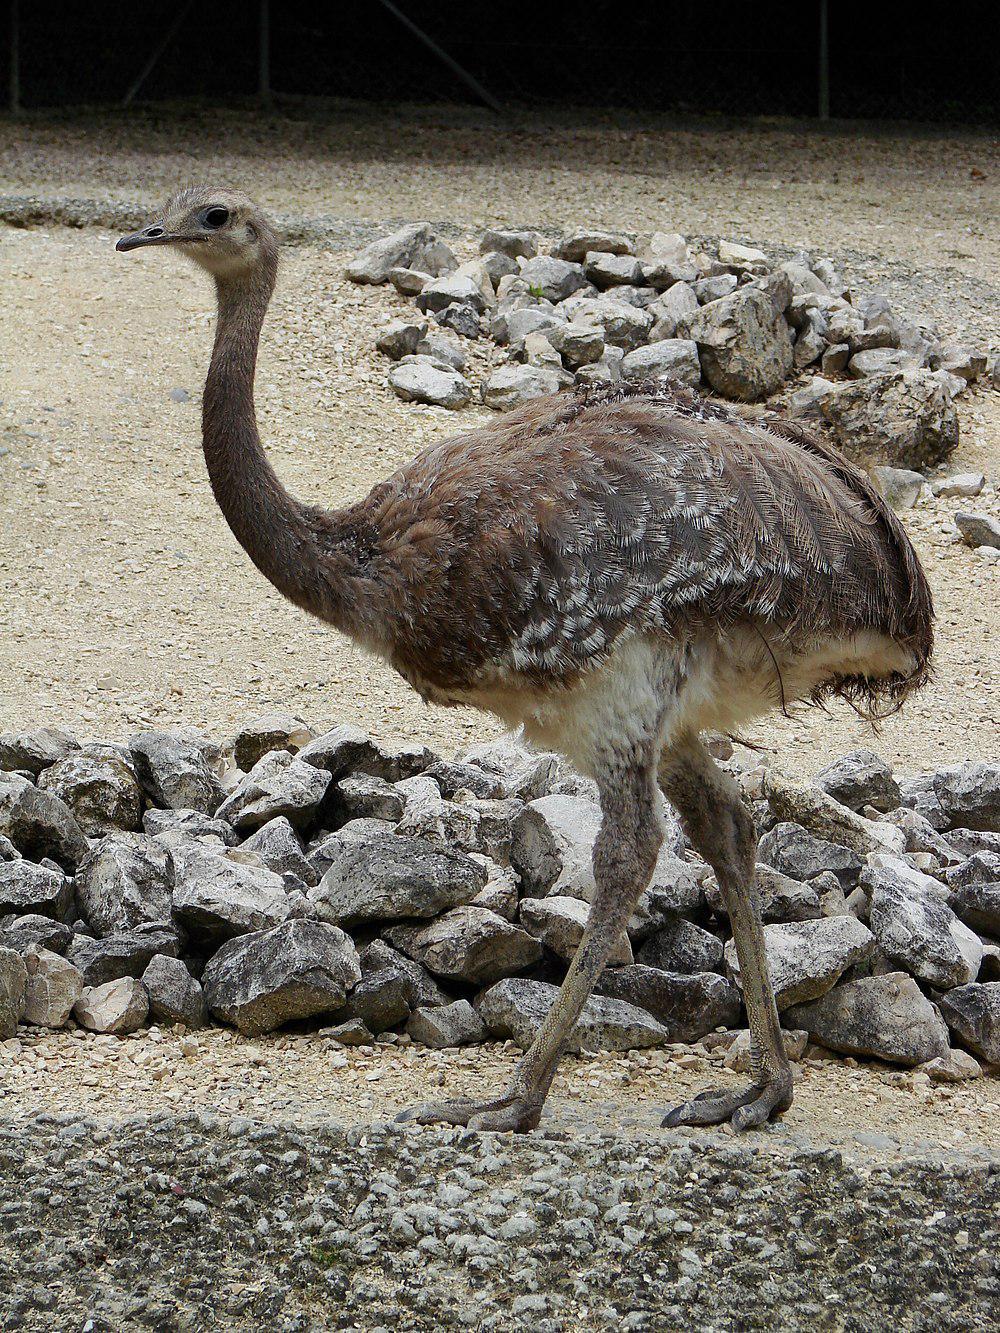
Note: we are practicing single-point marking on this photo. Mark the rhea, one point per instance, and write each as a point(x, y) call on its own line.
point(617, 571)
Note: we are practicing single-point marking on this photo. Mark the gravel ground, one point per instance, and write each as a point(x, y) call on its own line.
point(126, 601)
point(197, 1221)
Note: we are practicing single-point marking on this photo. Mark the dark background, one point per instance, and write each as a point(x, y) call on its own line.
point(887, 61)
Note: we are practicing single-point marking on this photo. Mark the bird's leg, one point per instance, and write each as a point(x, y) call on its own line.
point(721, 829)
point(624, 858)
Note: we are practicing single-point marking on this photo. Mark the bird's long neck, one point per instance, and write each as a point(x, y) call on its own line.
point(297, 549)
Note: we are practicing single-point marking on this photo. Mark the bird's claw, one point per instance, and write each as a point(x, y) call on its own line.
point(514, 1113)
point(744, 1109)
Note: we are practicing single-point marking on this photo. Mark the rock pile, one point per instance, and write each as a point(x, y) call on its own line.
point(292, 877)
point(608, 306)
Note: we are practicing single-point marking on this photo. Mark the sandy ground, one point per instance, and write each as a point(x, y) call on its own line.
point(127, 603)
point(311, 1079)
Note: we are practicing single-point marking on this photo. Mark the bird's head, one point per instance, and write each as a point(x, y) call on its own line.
point(222, 230)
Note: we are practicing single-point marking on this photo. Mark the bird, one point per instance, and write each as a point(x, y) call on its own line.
point(616, 570)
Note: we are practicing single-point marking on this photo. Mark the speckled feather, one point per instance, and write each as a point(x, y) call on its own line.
point(530, 548)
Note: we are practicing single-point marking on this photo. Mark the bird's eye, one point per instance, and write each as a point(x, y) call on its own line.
point(216, 217)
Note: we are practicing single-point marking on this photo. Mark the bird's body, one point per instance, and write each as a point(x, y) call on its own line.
point(616, 571)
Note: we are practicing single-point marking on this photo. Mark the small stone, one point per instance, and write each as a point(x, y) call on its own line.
point(959, 360)
point(738, 1057)
point(953, 1067)
point(714, 288)
point(835, 358)
point(119, 1007)
point(965, 484)
point(674, 359)
point(409, 281)
point(745, 348)
point(439, 347)
point(902, 487)
point(461, 288)
point(578, 344)
point(509, 387)
point(460, 318)
point(978, 529)
point(272, 731)
point(455, 1024)
point(742, 258)
point(420, 380)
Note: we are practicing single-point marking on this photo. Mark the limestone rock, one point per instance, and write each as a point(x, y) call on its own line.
point(974, 891)
point(54, 985)
point(745, 348)
point(39, 824)
point(399, 250)
point(915, 927)
point(13, 988)
point(32, 929)
point(576, 246)
point(469, 944)
point(386, 878)
point(278, 785)
point(455, 1024)
point(858, 779)
point(271, 731)
point(681, 946)
point(124, 955)
point(806, 958)
point(34, 751)
point(263, 980)
point(973, 1014)
point(512, 243)
point(674, 359)
point(124, 881)
point(687, 1007)
point(26, 888)
point(555, 279)
point(795, 852)
point(100, 789)
point(175, 772)
point(953, 1067)
point(215, 898)
point(904, 419)
point(348, 749)
point(979, 529)
point(174, 826)
point(559, 922)
point(120, 1007)
point(280, 849)
point(882, 1016)
point(174, 995)
point(420, 379)
point(512, 386)
point(517, 1008)
point(738, 1056)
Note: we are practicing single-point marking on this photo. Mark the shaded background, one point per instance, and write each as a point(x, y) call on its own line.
point(680, 56)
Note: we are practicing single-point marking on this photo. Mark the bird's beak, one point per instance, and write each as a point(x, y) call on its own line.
point(153, 235)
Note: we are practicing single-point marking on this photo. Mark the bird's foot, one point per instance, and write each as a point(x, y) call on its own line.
point(744, 1109)
point(512, 1112)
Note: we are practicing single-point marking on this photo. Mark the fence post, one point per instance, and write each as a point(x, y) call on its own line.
point(824, 61)
point(264, 53)
point(14, 67)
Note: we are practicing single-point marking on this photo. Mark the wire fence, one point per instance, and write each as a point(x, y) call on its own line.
point(676, 56)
